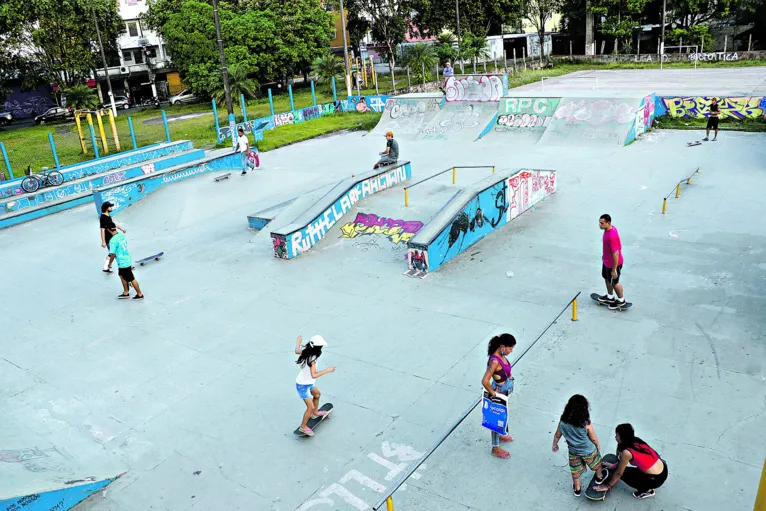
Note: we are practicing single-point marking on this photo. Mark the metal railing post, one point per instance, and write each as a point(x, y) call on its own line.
point(7, 162)
point(133, 132)
point(454, 175)
point(390, 504)
point(678, 190)
point(664, 205)
point(406, 197)
point(53, 150)
point(574, 309)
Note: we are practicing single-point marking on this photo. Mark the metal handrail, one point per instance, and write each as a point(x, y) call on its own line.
point(454, 178)
point(387, 497)
point(677, 190)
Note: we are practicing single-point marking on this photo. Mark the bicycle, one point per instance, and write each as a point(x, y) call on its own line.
point(33, 182)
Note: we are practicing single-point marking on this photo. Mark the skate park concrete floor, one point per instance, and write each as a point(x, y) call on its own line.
point(192, 390)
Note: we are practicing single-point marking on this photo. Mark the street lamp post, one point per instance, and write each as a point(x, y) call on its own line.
point(347, 77)
point(225, 75)
point(103, 61)
point(459, 56)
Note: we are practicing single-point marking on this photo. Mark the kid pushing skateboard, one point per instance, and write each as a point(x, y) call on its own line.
point(304, 383)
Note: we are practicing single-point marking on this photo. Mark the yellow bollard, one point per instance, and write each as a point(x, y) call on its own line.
point(678, 190)
point(114, 131)
point(698, 170)
point(493, 170)
point(664, 205)
point(574, 309)
point(390, 504)
point(760, 497)
point(454, 175)
point(79, 132)
point(101, 132)
point(406, 198)
point(689, 181)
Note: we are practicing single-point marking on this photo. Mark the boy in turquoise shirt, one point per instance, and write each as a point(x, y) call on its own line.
point(118, 249)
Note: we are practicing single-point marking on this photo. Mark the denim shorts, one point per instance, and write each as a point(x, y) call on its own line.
point(304, 391)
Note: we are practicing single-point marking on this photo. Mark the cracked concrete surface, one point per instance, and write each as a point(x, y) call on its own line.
point(191, 392)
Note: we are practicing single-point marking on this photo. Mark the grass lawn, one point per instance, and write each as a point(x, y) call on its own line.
point(725, 124)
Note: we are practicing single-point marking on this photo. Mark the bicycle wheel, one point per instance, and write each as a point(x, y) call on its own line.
point(30, 184)
point(55, 178)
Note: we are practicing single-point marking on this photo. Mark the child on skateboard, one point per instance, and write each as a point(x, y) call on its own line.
point(308, 374)
point(498, 382)
point(118, 249)
point(582, 441)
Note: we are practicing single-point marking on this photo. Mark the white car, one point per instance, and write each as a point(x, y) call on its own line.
point(185, 96)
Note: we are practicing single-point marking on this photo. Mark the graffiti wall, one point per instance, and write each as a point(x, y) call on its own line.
point(24, 105)
point(288, 245)
point(366, 103)
point(397, 231)
point(483, 213)
point(407, 117)
point(460, 120)
point(476, 87)
point(523, 114)
point(644, 119)
point(592, 121)
point(698, 107)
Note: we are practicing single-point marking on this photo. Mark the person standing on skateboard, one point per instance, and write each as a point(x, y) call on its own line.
point(649, 470)
point(611, 264)
point(498, 382)
point(712, 121)
point(107, 222)
point(582, 441)
point(307, 376)
point(118, 249)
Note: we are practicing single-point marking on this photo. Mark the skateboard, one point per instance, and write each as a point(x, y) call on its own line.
point(692, 144)
point(416, 274)
point(222, 177)
point(313, 423)
point(600, 495)
point(624, 307)
point(145, 260)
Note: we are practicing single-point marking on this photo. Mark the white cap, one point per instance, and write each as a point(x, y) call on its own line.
point(317, 341)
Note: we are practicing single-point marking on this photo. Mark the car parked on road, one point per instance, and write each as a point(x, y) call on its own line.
point(56, 113)
point(5, 118)
point(119, 102)
point(182, 98)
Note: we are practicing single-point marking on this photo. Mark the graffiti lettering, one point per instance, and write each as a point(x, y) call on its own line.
point(398, 231)
point(728, 57)
point(283, 119)
point(537, 106)
point(598, 111)
point(199, 169)
point(408, 107)
point(114, 178)
point(750, 107)
point(522, 121)
point(527, 188)
point(474, 88)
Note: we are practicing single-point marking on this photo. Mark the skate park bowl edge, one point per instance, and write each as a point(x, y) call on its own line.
point(475, 212)
point(308, 218)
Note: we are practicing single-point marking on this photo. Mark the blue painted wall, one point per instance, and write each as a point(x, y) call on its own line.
point(128, 194)
point(293, 244)
point(58, 500)
point(20, 202)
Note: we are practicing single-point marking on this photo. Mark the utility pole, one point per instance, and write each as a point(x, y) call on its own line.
point(459, 56)
point(347, 77)
point(103, 61)
point(225, 75)
point(662, 37)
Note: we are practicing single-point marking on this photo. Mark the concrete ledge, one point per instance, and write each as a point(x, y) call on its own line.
point(308, 219)
point(133, 190)
point(475, 212)
point(61, 499)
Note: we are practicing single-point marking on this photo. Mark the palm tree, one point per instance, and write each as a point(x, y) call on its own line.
point(445, 47)
point(81, 97)
point(239, 83)
point(474, 48)
point(419, 57)
point(327, 66)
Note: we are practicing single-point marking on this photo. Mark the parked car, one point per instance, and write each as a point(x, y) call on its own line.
point(119, 102)
point(185, 96)
point(56, 113)
point(5, 118)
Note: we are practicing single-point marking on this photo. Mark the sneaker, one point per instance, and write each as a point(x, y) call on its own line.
point(108, 270)
point(138, 297)
point(715, 138)
point(643, 494)
point(307, 431)
point(123, 296)
point(606, 476)
point(243, 173)
point(705, 139)
point(617, 304)
point(577, 493)
point(605, 299)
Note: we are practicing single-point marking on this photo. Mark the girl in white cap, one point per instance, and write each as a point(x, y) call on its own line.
point(308, 374)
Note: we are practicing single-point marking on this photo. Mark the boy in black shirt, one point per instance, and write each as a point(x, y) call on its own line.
point(712, 121)
point(106, 224)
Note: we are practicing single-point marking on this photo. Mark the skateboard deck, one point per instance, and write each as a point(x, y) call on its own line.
point(313, 423)
point(145, 260)
point(692, 144)
point(222, 177)
point(600, 495)
point(419, 274)
point(626, 306)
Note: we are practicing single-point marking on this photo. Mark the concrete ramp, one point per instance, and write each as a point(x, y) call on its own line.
point(409, 114)
point(461, 121)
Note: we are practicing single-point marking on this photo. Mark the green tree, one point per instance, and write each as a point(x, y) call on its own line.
point(240, 83)
point(419, 57)
point(327, 66)
point(619, 18)
point(476, 16)
point(539, 13)
point(444, 47)
point(81, 97)
point(474, 48)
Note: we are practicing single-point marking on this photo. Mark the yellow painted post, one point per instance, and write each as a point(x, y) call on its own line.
point(390, 504)
point(406, 198)
point(114, 131)
point(79, 132)
point(678, 190)
point(454, 175)
point(493, 170)
point(698, 170)
point(364, 72)
point(664, 205)
point(574, 309)
point(102, 133)
point(373, 73)
point(760, 497)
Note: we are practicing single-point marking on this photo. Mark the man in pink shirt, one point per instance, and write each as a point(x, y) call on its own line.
point(611, 264)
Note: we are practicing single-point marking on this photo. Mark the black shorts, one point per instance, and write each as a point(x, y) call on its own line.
point(712, 123)
point(607, 274)
point(126, 273)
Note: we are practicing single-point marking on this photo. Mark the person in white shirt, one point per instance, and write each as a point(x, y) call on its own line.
point(307, 376)
point(243, 147)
